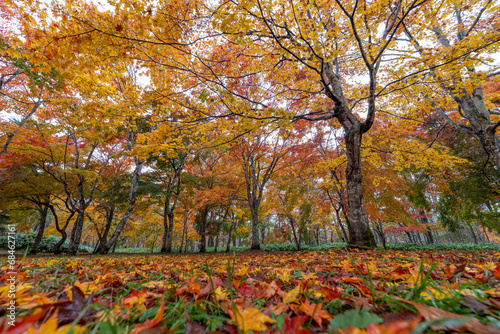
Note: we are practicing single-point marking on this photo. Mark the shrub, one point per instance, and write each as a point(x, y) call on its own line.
point(47, 244)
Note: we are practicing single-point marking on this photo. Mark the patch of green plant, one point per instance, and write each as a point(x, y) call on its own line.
point(46, 245)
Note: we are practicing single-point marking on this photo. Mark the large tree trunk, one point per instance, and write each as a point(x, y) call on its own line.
point(360, 234)
point(170, 232)
point(43, 210)
point(202, 220)
point(255, 227)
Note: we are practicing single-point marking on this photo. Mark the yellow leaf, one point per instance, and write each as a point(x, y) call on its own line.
point(292, 295)
point(153, 284)
point(221, 295)
point(241, 271)
point(308, 277)
point(250, 319)
point(285, 277)
point(436, 294)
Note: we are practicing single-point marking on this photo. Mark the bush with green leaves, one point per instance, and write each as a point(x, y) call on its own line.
point(335, 245)
point(135, 250)
point(446, 247)
point(47, 244)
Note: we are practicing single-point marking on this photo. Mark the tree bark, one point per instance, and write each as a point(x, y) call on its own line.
point(486, 235)
point(297, 241)
point(474, 237)
point(217, 239)
point(202, 220)
point(76, 232)
point(43, 210)
point(380, 232)
point(103, 239)
point(231, 229)
point(425, 221)
point(360, 234)
point(131, 203)
point(57, 247)
point(255, 227)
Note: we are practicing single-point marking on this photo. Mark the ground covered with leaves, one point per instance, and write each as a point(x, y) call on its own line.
point(269, 292)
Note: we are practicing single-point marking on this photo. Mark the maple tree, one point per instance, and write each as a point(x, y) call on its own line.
point(24, 85)
point(448, 48)
point(195, 126)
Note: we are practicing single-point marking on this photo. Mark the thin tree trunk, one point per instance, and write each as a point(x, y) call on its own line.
point(217, 239)
point(170, 231)
point(231, 230)
point(474, 237)
point(486, 235)
point(131, 203)
point(165, 228)
point(182, 235)
point(380, 232)
point(297, 241)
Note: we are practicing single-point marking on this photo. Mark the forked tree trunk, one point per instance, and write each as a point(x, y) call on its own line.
point(57, 247)
point(76, 232)
point(131, 203)
point(43, 210)
point(104, 238)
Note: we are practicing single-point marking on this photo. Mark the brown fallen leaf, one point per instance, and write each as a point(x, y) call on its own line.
point(192, 327)
point(474, 304)
point(431, 313)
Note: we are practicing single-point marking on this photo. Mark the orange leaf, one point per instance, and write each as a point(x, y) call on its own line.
point(330, 294)
point(315, 311)
point(431, 313)
point(150, 323)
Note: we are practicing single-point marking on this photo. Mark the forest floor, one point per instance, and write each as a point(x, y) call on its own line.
point(270, 292)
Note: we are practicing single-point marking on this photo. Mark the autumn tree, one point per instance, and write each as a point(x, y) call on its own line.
point(23, 184)
point(450, 48)
point(326, 46)
point(259, 155)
